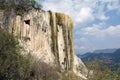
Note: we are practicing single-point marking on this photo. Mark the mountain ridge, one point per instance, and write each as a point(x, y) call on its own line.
point(105, 50)
point(111, 59)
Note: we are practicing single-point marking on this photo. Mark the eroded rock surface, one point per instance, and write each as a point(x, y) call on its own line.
point(46, 35)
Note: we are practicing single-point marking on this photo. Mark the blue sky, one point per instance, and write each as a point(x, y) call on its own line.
point(96, 22)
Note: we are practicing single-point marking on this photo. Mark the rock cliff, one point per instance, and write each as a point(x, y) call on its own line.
point(46, 35)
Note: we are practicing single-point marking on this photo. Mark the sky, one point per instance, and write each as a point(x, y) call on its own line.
point(96, 22)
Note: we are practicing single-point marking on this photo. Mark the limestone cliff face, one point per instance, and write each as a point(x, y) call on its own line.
point(46, 35)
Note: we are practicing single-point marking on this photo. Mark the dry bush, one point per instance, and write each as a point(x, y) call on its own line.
point(43, 71)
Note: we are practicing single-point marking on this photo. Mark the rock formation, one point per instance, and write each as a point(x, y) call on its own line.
point(46, 35)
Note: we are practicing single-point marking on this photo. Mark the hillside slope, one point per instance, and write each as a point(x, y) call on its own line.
point(112, 59)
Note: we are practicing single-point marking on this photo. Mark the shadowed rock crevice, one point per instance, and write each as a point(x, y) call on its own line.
point(27, 22)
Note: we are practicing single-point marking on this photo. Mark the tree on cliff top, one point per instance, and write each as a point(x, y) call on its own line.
point(22, 5)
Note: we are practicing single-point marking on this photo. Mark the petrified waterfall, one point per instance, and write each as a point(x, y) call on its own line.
point(46, 35)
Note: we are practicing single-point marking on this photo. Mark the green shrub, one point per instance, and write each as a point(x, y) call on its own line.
point(2, 6)
point(102, 71)
point(18, 12)
point(16, 66)
point(43, 71)
point(19, 6)
point(13, 65)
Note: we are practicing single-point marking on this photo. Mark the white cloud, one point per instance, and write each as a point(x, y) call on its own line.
point(98, 31)
point(80, 48)
point(102, 16)
point(113, 30)
point(113, 4)
point(79, 40)
point(70, 7)
point(82, 11)
point(84, 15)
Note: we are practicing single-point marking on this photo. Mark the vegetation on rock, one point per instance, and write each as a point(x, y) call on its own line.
point(70, 76)
point(13, 65)
point(16, 66)
point(19, 6)
point(101, 71)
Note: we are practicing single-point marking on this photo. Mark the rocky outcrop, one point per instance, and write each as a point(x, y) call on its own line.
point(48, 36)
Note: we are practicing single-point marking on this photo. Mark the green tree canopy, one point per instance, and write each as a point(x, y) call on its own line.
point(23, 5)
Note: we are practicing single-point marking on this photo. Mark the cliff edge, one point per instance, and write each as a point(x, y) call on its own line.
point(46, 35)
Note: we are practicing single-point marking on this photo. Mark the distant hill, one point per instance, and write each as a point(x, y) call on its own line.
point(105, 51)
point(112, 58)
